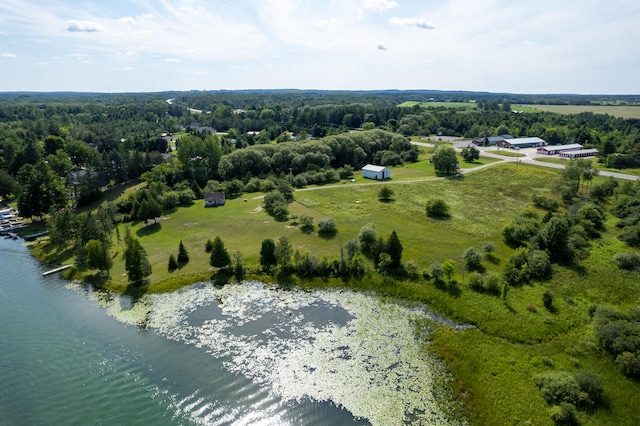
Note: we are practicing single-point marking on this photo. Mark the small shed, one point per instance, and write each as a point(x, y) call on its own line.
point(214, 199)
point(371, 171)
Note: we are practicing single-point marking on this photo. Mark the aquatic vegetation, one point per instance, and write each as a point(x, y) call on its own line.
point(352, 349)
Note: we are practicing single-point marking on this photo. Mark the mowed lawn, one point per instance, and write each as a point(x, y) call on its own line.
point(480, 204)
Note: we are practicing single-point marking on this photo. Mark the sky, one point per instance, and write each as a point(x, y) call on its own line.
point(512, 46)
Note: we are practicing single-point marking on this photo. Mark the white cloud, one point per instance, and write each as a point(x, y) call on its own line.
point(127, 20)
point(172, 60)
point(137, 19)
point(379, 5)
point(412, 22)
point(82, 26)
point(9, 55)
point(268, 66)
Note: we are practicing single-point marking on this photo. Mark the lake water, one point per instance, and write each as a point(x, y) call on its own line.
point(243, 354)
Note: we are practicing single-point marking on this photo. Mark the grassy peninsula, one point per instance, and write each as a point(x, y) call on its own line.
point(515, 337)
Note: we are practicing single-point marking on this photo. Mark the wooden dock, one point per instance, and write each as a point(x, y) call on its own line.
point(58, 269)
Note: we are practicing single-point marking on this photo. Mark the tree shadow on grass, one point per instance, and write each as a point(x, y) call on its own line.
point(387, 200)
point(491, 259)
point(328, 234)
point(510, 308)
point(148, 230)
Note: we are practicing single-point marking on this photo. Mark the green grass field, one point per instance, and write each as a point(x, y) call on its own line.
point(493, 363)
point(506, 153)
point(556, 160)
point(622, 111)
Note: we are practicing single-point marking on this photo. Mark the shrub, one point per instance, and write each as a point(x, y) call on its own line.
point(472, 258)
point(547, 299)
point(488, 247)
point(170, 199)
point(367, 238)
point(327, 227)
point(564, 414)
point(545, 203)
point(628, 261)
point(591, 386)
point(629, 363)
point(208, 246)
point(437, 208)
point(385, 193)
point(306, 223)
point(558, 386)
point(540, 265)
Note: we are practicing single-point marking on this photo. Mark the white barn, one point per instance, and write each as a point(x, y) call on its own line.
point(371, 171)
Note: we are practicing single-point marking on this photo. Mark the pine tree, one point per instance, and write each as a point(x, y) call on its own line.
point(183, 256)
point(173, 263)
point(267, 254)
point(219, 255)
point(394, 248)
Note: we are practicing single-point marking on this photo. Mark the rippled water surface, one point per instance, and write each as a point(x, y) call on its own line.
point(241, 354)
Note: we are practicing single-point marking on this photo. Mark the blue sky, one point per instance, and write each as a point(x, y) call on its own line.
point(517, 46)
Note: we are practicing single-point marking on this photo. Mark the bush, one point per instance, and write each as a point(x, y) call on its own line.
point(628, 261)
point(170, 199)
point(629, 363)
point(540, 265)
point(545, 203)
point(547, 299)
point(488, 247)
point(306, 223)
point(208, 246)
point(437, 208)
point(564, 414)
point(472, 258)
point(327, 227)
point(591, 386)
point(558, 386)
point(385, 193)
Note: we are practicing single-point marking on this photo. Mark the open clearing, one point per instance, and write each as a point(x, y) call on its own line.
point(622, 111)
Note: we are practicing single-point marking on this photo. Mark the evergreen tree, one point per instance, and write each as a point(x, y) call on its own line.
point(267, 254)
point(393, 248)
point(173, 263)
point(219, 255)
point(183, 256)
